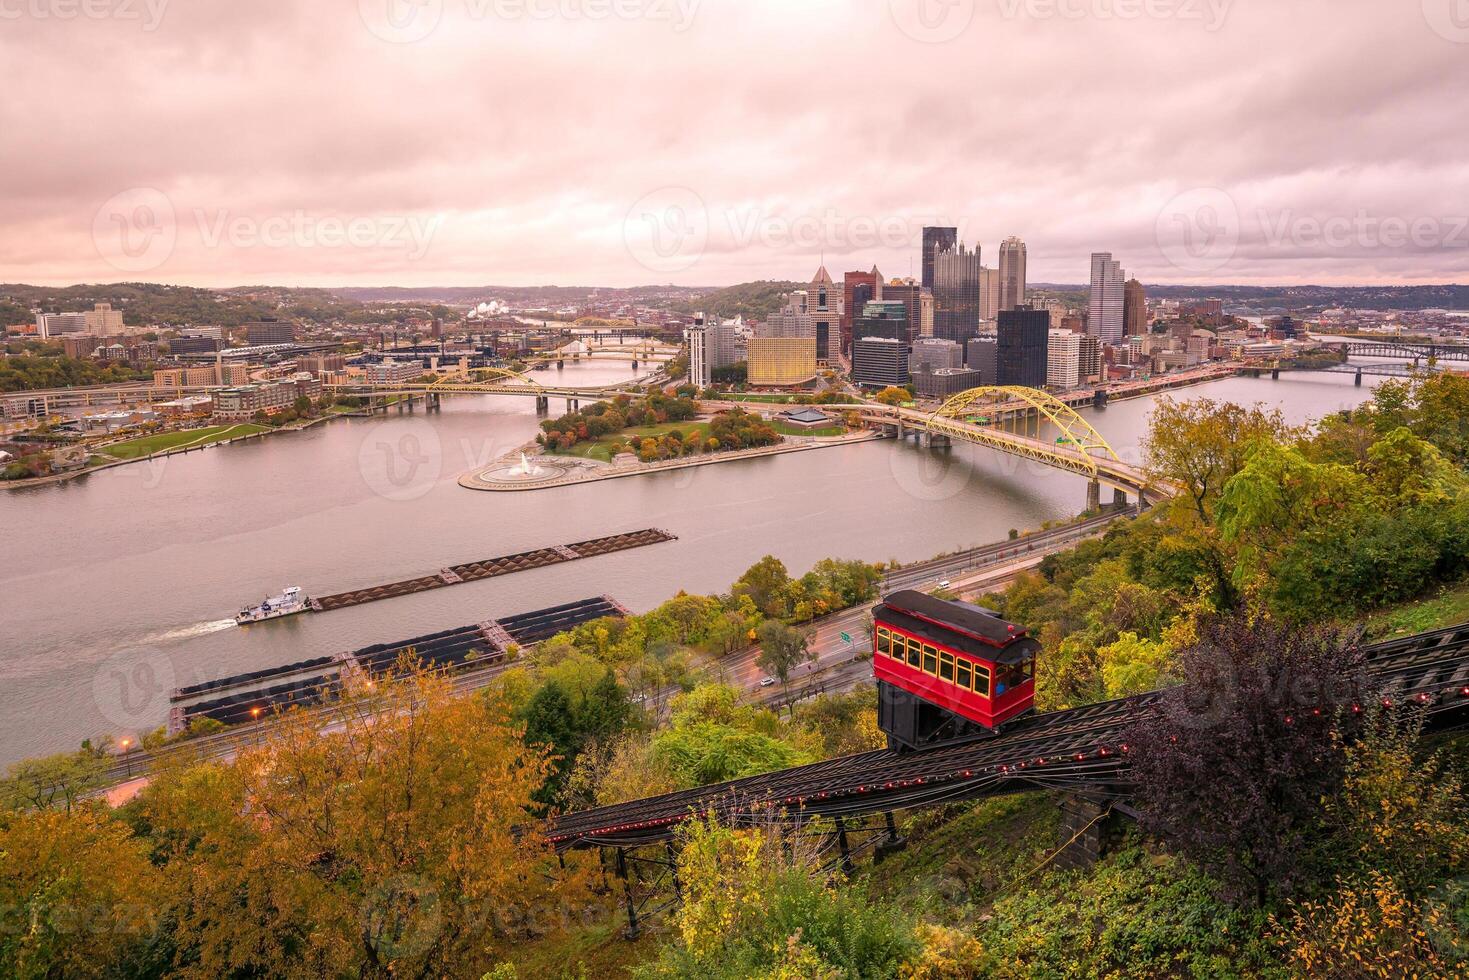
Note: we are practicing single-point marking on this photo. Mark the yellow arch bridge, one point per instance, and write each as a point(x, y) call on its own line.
point(1031, 424)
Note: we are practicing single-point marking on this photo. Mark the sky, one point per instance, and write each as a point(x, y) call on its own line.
point(708, 142)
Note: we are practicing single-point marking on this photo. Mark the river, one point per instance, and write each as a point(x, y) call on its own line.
point(119, 586)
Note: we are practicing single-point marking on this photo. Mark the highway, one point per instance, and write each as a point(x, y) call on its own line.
point(840, 665)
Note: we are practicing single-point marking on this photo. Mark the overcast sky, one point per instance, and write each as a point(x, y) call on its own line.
point(707, 142)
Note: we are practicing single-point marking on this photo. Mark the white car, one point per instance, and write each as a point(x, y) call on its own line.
point(944, 584)
point(768, 682)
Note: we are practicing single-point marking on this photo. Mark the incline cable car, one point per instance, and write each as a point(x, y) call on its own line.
point(946, 670)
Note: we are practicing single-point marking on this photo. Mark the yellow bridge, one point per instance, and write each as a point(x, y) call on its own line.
point(1029, 423)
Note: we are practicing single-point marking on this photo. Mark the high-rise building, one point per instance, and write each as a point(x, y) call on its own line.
point(1134, 309)
point(824, 305)
point(1104, 309)
point(1063, 358)
point(879, 362)
point(909, 292)
point(956, 274)
point(791, 320)
point(103, 320)
point(1090, 367)
point(936, 239)
point(989, 293)
point(1012, 273)
point(1020, 356)
point(56, 324)
point(882, 318)
point(925, 313)
point(699, 368)
point(722, 342)
point(858, 288)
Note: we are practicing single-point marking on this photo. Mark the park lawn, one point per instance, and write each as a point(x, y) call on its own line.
point(786, 429)
point(740, 396)
point(601, 447)
point(134, 448)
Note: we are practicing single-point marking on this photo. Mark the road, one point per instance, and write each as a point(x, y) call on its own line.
point(840, 665)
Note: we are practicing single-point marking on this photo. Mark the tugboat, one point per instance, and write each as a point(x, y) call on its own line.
point(289, 602)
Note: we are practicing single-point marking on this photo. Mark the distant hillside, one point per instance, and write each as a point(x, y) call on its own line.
point(1447, 297)
point(752, 300)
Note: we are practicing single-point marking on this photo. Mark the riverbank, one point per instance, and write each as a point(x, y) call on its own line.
point(572, 471)
point(190, 447)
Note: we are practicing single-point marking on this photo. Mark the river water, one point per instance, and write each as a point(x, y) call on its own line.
point(119, 586)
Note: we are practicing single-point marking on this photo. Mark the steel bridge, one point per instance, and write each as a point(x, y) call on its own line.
point(487, 381)
point(1408, 350)
point(1081, 750)
point(1029, 423)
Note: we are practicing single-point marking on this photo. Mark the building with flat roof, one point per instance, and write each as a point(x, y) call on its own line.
point(935, 353)
point(700, 370)
point(1063, 358)
point(1012, 273)
point(1021, 357)
point(103, 319)
point(1104, 316)
point(270, 332)
point(880, 362)
point(981, 354)
point(941, 383)
point(779, 362)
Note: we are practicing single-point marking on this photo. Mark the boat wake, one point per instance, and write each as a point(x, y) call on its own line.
point(188, 632)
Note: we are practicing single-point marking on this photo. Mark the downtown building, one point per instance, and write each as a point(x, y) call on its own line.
point(269, 397)
point(935, 239)
point(880, 348)
point(780, 362)
point(1021, 350)
point(1104, 318)
point(1063, 359)
point(1011, 274)
point(982, 355)
point(989, 294)
point(697, 337)
point(1134, 309)
point(858, 289)
point(935, 354)
point(956, 294)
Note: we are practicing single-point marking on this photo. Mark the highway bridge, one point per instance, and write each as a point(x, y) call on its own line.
point(1031, 424)
point(1407, 350)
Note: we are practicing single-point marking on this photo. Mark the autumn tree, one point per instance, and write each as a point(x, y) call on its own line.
point(400, 840)
point(1201, 443)
point(79, 897)
point(57, 781)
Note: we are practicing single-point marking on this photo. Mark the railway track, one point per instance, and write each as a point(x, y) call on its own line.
point(1076, 748)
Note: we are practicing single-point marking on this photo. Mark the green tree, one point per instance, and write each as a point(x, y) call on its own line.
point(1201, 444)
point(766, 583)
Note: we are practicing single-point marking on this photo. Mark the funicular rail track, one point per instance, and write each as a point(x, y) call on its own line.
point(1077, 749)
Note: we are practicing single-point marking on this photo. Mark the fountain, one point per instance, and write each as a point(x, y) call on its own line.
point(525, 472)
point(526, 468)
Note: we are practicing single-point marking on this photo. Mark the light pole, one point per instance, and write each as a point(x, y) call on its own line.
point(127, 762)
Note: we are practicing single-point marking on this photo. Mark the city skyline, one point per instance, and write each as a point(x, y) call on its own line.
point(430, 158)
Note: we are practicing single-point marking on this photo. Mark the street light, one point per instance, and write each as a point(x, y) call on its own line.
point(127, 762)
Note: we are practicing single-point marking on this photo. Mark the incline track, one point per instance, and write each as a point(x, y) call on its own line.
point(1080, 748)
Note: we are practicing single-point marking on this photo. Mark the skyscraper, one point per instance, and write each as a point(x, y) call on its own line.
point(699, 370)
point(1134, 309)
point(1104, 309)
point(989, 293)
point(882, 318)
point(936, 239)
point(956, 293)
point(1012, 273)
point(858, 288)
point(825, 307)
point(1063, 359)
point(1021, 355)
point(910, 293)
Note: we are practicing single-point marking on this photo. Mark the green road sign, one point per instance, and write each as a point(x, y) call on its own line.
point(846, 637)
